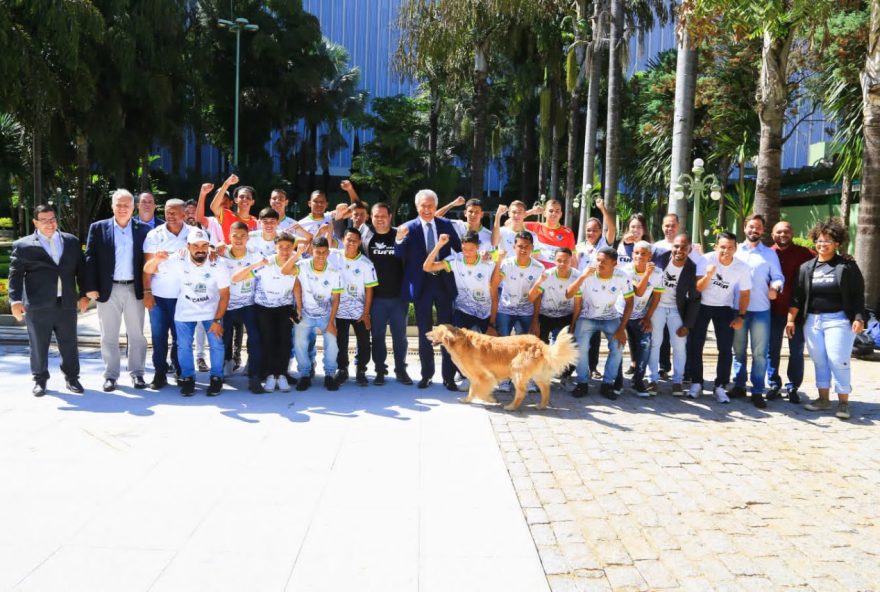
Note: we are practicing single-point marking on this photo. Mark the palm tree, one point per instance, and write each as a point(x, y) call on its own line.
point(868, 244)
point(683, 118)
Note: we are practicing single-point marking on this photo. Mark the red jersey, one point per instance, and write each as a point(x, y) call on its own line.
point(228, 217)
point(551, 240)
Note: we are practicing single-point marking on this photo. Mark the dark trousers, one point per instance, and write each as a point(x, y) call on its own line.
point(238, 329)
point(720, 317)
point(274, 326)
point(795, 370)
point(552, 326)
point(639, 352)
point(246, 317)
point(593, 354)
point(462, 320)
point(41, 323)
point(385, 313)
point(161, 323)
point(432, 296)
point(362, 337)
point(665, 352)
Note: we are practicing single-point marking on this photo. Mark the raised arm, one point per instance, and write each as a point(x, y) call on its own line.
point(431, 264)
point(246, 272)
point(535, 291)
point(609, 224)
point(217, 202)
point(200, 206)
point(458, 201)
point(496, 225)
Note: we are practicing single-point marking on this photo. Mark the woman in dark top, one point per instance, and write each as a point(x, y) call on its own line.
point(830, 300)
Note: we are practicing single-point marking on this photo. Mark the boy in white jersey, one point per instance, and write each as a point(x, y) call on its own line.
point(319, 217)
point(473, 220)
point(317, 291)
point(724, 275)
point(648, 287)
point(602, 284)
point(203, 297)
point(241, 305)
point(556, 310)
point(475, 299)
point(504, 237)
point(358, 281)
point(262, 241)
point(515, 276)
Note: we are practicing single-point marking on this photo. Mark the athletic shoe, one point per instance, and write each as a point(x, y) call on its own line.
point(254, 386)
point(283, 385)
point(581, 390)
point(664, 374)
point(403, 378)
point(758, 401)
point(504, 386)
point(271, 384)
point(793, 396)
point(721, 395)
point(380, 379)
point(651, 387)
point(736, 391)
point(641, 389)
point(773, 392)
point(203, 367)
point(215, 387)
point(330, 384)
point(187, 386)
point(303, 383)
point(595, 375)
point(695, 391)
point(607, 391)
point(630, 370)
point(341, 377)
point(842, 410)
point(677, 390)
point(361, 379)
point(464, 386)
point(819, 405)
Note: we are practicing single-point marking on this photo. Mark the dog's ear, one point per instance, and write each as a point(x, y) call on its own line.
point(449, 334)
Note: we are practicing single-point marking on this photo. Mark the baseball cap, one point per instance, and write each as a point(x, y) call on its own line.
point(196, 235)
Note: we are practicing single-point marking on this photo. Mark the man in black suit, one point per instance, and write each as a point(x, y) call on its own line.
point(44, 282)
point(113, 263)
point(415, 239)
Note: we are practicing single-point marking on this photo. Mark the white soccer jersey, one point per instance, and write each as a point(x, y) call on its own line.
point(473, 283)
point(286, 225)
point(162, 239)
point(553, 301)
point(199, 286)
point(461, 228)
point(318, 288)
point(241, 293)
point(258, 244)
point(508, 239)
point(600, 296)
point(726, 283)
point(587, 253)
point(640, 303)
point(311, 225)
point(271, 287)
point(358, 274)
point(516, 282)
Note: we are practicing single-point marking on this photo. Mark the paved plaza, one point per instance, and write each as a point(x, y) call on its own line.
point(393, 488)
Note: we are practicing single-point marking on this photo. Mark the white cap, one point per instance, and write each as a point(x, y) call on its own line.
point(197, 235)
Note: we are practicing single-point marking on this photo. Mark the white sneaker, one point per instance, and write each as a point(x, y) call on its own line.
point(282, 384)
point(643, 394)
point(464, 386)
point(504, 386)
point(721, 395)
point(695, 391)
point(227, 368)
point(270, 384)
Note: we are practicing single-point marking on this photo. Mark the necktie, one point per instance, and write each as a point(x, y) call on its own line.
point(430, 238)
point(53, 251)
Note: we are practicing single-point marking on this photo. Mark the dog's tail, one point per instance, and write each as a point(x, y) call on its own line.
point(563, 352)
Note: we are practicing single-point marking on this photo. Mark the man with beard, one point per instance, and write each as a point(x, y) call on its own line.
point(767, 281)
point(203, 298)
point(791, 257)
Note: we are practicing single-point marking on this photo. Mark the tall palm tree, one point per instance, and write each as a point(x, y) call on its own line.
point(868, 243)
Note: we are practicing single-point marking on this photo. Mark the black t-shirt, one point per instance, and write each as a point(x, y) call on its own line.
point(825, 293)
point(389, 269)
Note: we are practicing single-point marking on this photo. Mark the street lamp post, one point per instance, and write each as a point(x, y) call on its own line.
point(237, 26)
point(694, 186)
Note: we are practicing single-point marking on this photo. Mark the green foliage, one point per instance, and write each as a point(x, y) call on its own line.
point(803, 241)
point(5, 224)
point(740, 204)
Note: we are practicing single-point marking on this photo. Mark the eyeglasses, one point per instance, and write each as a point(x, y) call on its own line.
point(47, 222)
point(824, 242)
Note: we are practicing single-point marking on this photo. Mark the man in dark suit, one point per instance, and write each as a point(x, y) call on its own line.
point(44, 282)
point(415, 239)
point(113, 263)
point(146, 210)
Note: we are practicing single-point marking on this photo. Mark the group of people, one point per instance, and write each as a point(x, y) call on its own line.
point(210, 279)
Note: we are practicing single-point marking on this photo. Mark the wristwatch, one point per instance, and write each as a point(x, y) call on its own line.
point(741, 315)
point(219, 321)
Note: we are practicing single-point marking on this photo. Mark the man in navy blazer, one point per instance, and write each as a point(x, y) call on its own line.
point(114, 262)
point(415, 239)
point(45, 281)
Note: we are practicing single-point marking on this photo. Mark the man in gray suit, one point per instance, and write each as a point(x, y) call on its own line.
point(45, 282)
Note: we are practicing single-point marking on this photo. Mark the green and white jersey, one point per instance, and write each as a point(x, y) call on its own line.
point(358, 274)
point(199, 286)
point(508, 239)
point(553, 301)
point(241, 293)
point(311, 225)
point(272, 288)
point(600, 296)
point(318, 288)
point(461, 228)
point(473, 283)
point(640, 303)
point(516, 282)
point(257, 243)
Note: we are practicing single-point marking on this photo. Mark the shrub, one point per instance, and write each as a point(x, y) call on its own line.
point(4, 298)
point(6, 223)
point(803, 242)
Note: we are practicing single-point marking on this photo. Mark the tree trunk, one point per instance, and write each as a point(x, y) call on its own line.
point(868, 241)
point(845, 203)
point(144, 181)
point(82, 210)
point(481, 106)
point(37, 147)
point(558, 132)
point(772, 100)
point(612, 126)
point(574, 101)
point(593, 64)
point(527, 178)
point(683, 119)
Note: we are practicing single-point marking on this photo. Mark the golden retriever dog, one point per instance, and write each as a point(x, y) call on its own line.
point(486, 360)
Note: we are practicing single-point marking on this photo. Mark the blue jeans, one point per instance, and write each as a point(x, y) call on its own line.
point(755, 328)
point(668, 318)
point(583, 332)
point(305, 331)
point(640, 351)
point(185, 333)
point(720, 317)
point(246, 315)
point(830, 340)
point(161, 322)
point(505, 324)
point(389, 312)
point(796, 344)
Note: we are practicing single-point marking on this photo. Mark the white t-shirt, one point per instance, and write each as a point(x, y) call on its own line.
point(461, 229)
point(661, 246)
point(516, 282)
point(600, 296)
point(215, 231)
point(640, 303)
point(241, 293)
point(199, 285)
point(508, 239)
point(162, 239)
point(285, 225)
point(587, 253)
point(312, 225)
point(553, 301)
point(258, 244)
point(473, 283)
point(727, 281)
point(671, 275)
point(272, 288)
point(318, 288)
point(358, 274)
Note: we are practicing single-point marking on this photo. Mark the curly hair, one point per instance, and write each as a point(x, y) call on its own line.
point(833, 227)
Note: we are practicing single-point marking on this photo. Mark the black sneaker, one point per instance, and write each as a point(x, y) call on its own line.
point(303, 383)
point(793, 396)
point(341, 377)
point(187, 386)
point(361, 379)
point(215, 387)
point(236, 364)
point(758, 401)
point(403, 378)
point(255, 386)
point(736, 391)
point(630, 370)
point(773, 393)
point(581, 390)
point(329, 384)
point(664, 374)
point(607, 391)
point(159, 381)
point(380, 379)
